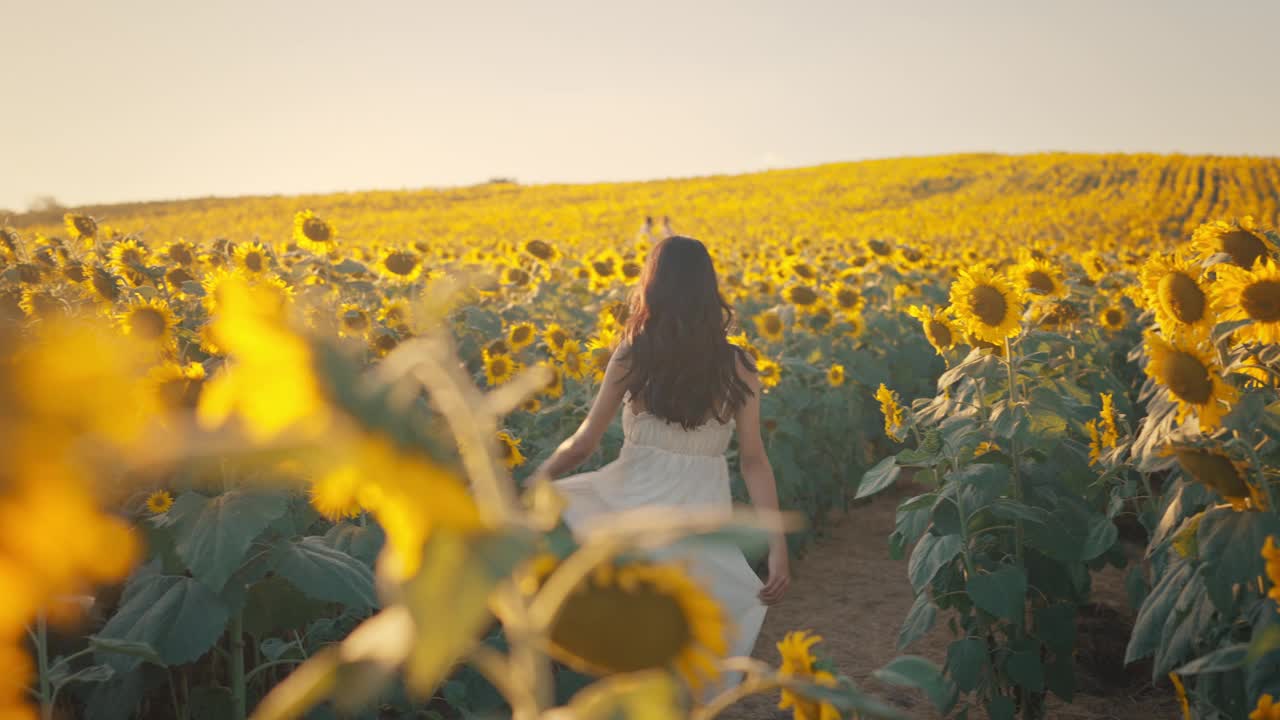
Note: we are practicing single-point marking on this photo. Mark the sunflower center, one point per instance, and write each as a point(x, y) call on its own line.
point(355, 320)
point(1040, 281)
point(623, 631)
point(516, 276)
point(557, 338)
point(988, 304)
point(177, 277)
point(104, 283)
point(180, 254)
point(1261, 300)
point(880, 247)
point(131, 257)
point(1188, 378)
point(847, 297)
point(85, 225)
point(401, 263)
point(499, 366)
point(1243, 246)
point(772, 324)
point(1214, 470)
point(801, 295)
point(521, 334)
point(317, 230)
point(940, 333)
point(804, 271)
point(1113, 317)
point(254, 261)
point(630, 269)
point(539, 249)
point(148, 322)
point(1182, 297)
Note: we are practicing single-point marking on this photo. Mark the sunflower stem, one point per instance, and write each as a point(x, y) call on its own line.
point(237, 679)
point(42, 664)
point(1015, 476)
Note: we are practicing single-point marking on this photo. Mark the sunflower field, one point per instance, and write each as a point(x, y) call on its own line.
point(274, 456)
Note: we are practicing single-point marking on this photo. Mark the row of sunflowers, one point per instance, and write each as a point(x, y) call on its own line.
point(1061, 424)
point(243, 402)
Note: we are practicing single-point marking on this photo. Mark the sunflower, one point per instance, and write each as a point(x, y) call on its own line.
point(532, 406)
point(336, 495)
point(835, 375)
point(1095, 266)
point(542, 251)
point(353, 321)
point(1174, 291)
point(402, 266)
point(41, 302)
point(938, 329)
point(770, 372)
point(555, 388)
point(1271, 554)
point(516, 277)
point(604, 267)
point(1218, 472)
point(892, 412)
point(987, 305)
point(1113, 317)
point(639, 616)
point(521, 336)
point(384, 341)
point(798, 662)
point(599, 351)
point(802, 296)
point(149, 319)
point(129, 260)
point(312, 233)
point(1267, 708)
point(555, 337)
point(509, 450)
point(1107, 421)
point(571, 359)
point(1192, 377)
point(1253, 294)
point(1040, 277)
point(159, 502)
point(882, 249)
point(102, 285)
point(178, 386)
point(769, 325)
point(252, 258)
point(1241, 240)
point(498, 369)
point(181, 252)
point(846, 297)
point(80, 227)
point(396, 314)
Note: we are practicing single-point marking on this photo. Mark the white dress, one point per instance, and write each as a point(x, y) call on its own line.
point(662, 464)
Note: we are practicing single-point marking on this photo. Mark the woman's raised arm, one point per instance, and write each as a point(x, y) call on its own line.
point(578, 447)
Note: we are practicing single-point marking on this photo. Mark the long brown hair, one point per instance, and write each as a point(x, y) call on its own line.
point(681, 364)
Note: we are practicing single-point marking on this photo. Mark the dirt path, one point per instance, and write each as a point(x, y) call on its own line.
point(848, 590)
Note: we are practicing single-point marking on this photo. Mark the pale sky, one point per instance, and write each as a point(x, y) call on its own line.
point(141, 99)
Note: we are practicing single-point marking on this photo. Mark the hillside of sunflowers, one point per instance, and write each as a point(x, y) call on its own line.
point(274, 456)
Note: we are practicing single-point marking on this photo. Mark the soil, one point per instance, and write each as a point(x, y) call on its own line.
point(847, 589)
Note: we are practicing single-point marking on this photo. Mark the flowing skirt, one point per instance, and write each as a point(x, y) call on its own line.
point(644, 476)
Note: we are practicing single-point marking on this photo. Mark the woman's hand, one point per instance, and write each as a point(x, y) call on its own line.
point(779, 574)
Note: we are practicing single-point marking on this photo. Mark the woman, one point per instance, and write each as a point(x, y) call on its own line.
point(683, 388)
